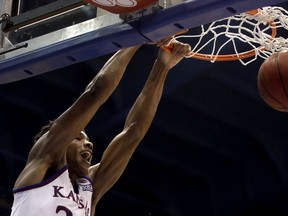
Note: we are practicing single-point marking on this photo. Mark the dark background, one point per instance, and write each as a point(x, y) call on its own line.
point(214, 148)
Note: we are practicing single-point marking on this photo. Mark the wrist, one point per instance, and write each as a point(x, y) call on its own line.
point(162, 65)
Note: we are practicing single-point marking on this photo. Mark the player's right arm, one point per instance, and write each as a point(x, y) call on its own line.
point(50, 150)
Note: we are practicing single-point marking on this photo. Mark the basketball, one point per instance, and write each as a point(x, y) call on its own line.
point(273, 81)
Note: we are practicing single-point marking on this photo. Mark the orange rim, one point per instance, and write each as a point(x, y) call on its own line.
point(253, 12)
point(227, 57)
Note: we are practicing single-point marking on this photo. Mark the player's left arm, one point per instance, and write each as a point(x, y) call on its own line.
point(138, 121)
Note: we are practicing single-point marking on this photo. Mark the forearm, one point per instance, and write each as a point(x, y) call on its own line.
point(111, 73)
point(145, 106)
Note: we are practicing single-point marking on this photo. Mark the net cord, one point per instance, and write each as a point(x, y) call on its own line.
point(257, 28)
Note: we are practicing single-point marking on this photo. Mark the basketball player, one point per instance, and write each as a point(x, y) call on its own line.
point(58, 178)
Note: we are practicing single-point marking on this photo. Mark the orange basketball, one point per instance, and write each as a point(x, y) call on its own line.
point(273, 81)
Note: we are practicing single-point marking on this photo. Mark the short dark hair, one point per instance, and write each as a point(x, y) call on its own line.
point(43, 130)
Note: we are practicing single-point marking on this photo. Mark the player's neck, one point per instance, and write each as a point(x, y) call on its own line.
point(73, 177)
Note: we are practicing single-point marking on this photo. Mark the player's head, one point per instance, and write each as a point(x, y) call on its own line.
point(79, 154)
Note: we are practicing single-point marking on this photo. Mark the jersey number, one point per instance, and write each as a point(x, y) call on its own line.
point(63, 208)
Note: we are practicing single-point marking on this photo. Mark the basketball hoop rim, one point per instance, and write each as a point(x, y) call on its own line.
point(231, 57)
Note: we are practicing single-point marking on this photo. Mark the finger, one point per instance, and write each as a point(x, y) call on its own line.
point(165, 41)
point(186, 49)
point(181, 49)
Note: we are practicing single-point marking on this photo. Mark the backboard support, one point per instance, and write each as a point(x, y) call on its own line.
point(108, 33)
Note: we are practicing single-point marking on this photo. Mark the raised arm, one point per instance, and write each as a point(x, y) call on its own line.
point(49, 150)
point(120, 150)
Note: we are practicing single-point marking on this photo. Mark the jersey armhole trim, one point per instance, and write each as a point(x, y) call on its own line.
point(40, 184)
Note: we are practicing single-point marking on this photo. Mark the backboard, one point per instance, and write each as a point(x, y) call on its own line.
point(80, 32)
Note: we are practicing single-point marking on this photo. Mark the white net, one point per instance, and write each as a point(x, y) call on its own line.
point(257, 33)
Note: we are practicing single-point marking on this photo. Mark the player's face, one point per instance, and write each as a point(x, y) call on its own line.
point(79, 154)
